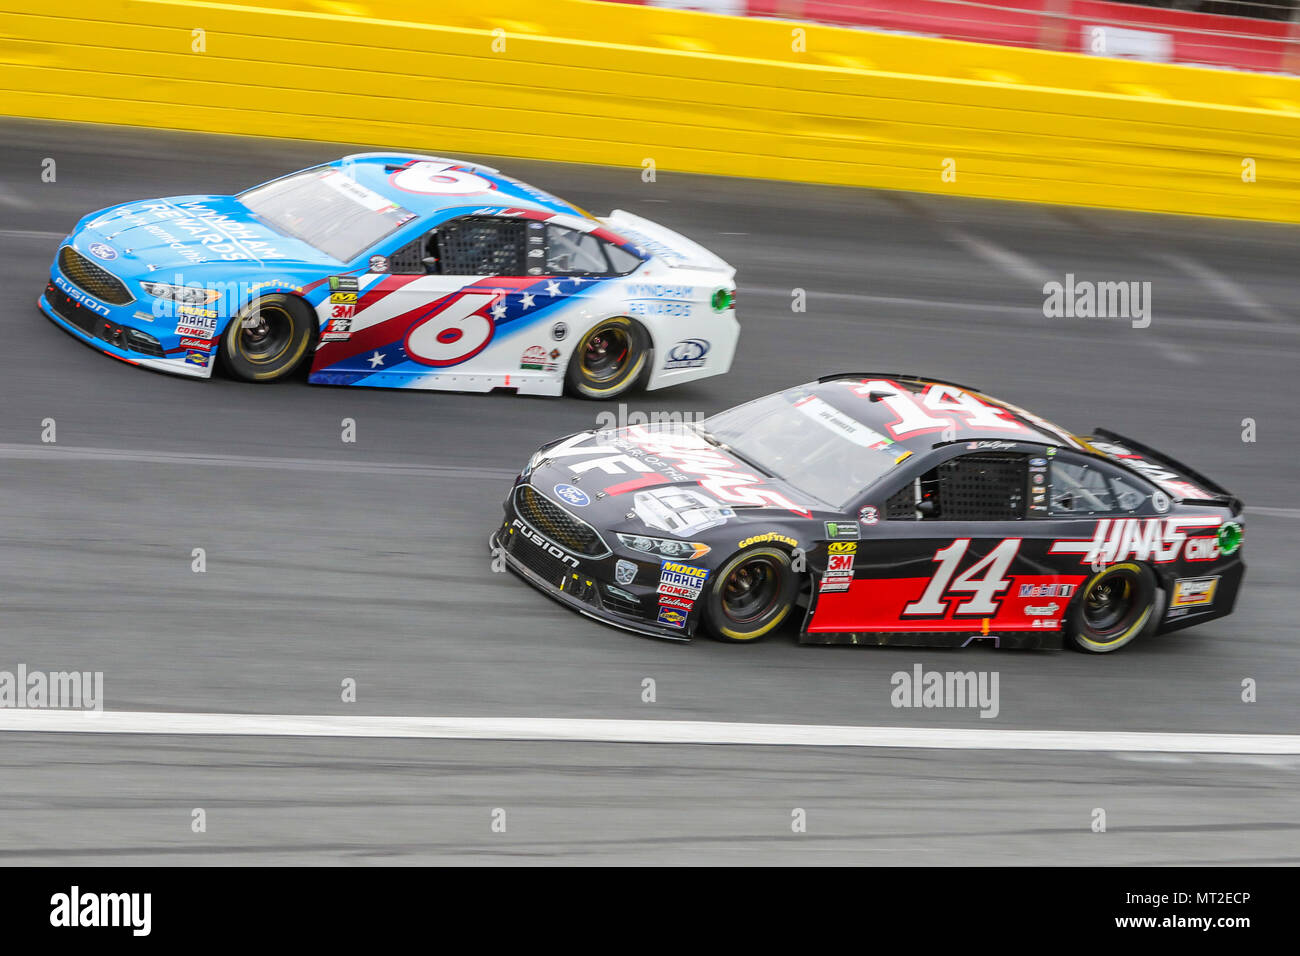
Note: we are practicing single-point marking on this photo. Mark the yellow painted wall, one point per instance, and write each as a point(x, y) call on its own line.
point(582, 81)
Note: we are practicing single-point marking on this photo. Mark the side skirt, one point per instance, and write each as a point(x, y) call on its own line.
point(1016, 640)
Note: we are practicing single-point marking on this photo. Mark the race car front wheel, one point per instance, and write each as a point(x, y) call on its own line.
point(609, 359)
point(269, 338)
point(1114, 607)
point(751, 594)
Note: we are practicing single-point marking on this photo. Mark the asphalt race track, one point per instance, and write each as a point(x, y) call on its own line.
point(328, 561)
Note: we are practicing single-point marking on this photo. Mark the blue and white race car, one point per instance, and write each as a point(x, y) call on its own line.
point(397, 271)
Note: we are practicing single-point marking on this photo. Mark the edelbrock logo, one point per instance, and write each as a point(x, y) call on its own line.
point(573, 495)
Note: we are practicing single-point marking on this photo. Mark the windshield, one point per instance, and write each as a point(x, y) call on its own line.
point(801, 438)
point(328, 210)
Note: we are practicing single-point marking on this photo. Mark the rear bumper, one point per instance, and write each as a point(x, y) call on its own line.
point(720, 330)
point(1227, 587)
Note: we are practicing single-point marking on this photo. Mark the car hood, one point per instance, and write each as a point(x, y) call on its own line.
point(190, 232)
point(664, 480)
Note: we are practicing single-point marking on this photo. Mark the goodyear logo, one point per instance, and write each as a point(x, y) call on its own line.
point(771, 536)
point(842, 547)
point(700, 575)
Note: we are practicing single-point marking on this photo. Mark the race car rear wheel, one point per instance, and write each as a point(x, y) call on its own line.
point(751, 594)
point(609, 360)
point(1114, 607)
point(269, 338)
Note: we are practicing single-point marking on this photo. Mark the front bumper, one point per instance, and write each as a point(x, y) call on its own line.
point(108, 329)
point(582, 589)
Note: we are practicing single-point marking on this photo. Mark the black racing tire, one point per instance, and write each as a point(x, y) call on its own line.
point(751, 595)
point(609, 360)
point(1115, 606)
point(269, 338)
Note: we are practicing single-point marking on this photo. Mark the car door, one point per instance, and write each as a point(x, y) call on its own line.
point(952, 552)
point(481, 297)
point(431, 304)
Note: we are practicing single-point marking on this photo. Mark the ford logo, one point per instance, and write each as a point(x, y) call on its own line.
point(101, 251)
point(688, 350)
point(574, 496)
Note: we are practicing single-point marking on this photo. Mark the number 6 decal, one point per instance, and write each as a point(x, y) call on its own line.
point(454, 332)
point(439, 179)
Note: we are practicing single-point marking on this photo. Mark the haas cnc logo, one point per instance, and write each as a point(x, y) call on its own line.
point(1143, 539)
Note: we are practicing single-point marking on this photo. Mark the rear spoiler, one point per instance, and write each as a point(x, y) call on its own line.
point(671, 248)
point(1218, 494)
point(904, 376)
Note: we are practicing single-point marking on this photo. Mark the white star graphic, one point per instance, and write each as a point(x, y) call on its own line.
point(499, 310)
point(552, 288)
point(376, 360)
point(527, 300)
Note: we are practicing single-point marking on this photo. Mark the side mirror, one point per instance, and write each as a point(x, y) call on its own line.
point(927, 508)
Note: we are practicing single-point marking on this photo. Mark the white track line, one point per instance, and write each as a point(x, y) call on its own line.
point(35, 452)
point(635, 731)
point(1009, 261)
point(31, 234)
point(1221, 285)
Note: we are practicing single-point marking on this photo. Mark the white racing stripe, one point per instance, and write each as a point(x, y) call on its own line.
point(636, 731)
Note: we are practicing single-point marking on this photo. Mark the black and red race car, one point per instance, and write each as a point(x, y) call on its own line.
point(891, 509)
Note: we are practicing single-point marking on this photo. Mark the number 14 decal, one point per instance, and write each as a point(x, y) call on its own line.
point(943, 587)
